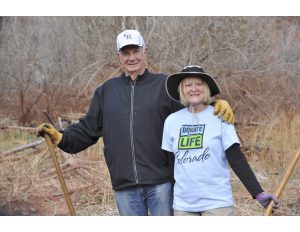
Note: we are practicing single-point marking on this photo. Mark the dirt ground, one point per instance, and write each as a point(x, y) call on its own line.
point(29, 185)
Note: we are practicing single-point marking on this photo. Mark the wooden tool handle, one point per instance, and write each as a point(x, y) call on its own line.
point(60, 176)
point(283, 182)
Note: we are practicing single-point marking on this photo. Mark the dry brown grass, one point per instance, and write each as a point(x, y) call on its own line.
point(29, 186)
point(270, 148)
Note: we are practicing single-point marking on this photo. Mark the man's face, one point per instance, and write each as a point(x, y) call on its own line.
point(133, 59)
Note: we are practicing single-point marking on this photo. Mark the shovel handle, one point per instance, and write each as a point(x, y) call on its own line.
point(283, 182)
point(269, 209)
point(60, 175)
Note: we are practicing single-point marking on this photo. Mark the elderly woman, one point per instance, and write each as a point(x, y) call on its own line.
point(202, 145)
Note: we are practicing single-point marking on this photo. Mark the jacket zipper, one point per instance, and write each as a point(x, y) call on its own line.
point(131, 133)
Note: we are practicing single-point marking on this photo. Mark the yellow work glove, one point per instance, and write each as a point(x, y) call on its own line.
point(223, 109)
point(54, 134)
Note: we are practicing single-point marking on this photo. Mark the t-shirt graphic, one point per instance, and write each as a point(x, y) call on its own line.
point(191, 137)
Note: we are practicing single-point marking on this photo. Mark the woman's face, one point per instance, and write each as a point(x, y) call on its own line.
point(193, 90)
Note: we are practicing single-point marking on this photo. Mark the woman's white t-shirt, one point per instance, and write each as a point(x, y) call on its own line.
point(201, 171)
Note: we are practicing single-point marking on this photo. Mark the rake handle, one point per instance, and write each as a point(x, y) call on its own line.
point(60, 175)
point(283, 182)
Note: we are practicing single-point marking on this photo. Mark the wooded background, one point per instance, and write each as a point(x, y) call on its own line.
point(55, 63)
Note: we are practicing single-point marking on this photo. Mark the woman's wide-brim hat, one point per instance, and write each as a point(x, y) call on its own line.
point(174, 80)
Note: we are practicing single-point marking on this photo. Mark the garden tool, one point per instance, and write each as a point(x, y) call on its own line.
point(60, 175)
point(283, 182)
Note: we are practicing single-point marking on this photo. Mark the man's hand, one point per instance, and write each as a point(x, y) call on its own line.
point(265, 199)
point(223, 109)
point(54, 134)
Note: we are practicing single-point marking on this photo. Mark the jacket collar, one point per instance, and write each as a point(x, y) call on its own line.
point(139, 77)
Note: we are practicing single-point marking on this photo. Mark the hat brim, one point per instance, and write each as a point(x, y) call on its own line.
point(128, 45)
point(174, 80)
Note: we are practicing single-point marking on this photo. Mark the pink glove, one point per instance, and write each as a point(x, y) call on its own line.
point(264, 199)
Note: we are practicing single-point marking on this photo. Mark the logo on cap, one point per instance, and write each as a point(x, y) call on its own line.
point(127, 36)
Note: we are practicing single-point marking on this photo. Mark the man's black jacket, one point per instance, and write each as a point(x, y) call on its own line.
point(130, 118)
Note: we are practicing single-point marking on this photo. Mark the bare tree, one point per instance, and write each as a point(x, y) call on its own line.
point(55, 63)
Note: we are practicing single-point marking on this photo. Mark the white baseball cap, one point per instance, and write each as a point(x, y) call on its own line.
point(129, 37)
